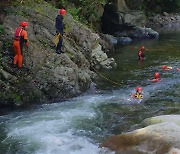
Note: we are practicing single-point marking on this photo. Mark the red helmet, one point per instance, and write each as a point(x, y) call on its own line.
point(24, 24)
point(142, 48)
point(138, 88)
point(164, 67)
point(156, 75)
point(62, 12)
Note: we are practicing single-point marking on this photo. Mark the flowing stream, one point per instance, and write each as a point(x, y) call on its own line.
point(79, 125)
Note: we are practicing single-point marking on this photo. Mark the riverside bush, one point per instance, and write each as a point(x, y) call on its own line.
point(156, 6)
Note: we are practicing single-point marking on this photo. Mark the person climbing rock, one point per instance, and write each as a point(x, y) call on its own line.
point(138, 94)
point(166, 68)
point(141, 53)
point(59, 30)
point(156, 77)
point(20, 38)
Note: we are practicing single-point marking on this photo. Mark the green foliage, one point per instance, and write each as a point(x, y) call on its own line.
point(1, 61)
point(160, 6)
point(81, 10)
point(7, 45)
point(41, 11)
point(15, 97)
point(156, 6)
point(43, 43)
point(75, 13)
point(1, 29)
point(70, 54)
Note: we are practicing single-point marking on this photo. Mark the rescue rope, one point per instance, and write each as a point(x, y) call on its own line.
point(106, 77)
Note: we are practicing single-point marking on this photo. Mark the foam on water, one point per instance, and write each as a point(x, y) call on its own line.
point(63, 127)
point(52, 128)
point(78, 126)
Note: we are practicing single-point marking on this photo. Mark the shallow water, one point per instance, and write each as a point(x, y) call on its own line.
point(78, 126)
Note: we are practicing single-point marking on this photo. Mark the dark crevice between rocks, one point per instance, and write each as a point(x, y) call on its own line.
point(124, 27)
point(112, 21)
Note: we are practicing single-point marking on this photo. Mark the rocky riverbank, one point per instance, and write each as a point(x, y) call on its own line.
point(164, 21)
point(161, 135)
point(47, 76)
point(125, 26)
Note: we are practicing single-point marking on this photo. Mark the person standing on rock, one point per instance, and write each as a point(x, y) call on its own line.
point(59, 29)
point(20, 39)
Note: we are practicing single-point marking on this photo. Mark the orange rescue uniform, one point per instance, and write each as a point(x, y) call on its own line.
point(19, 40)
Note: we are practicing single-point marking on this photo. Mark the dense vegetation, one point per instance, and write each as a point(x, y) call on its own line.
point(155, 6)
point(82, 10)
point(90, 11)
point(85, 10)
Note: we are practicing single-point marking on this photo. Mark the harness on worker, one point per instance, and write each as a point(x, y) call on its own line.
point(18, 33)
point(138, 96)
point(56, 39)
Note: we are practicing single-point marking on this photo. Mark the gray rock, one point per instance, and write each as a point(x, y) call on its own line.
point(114, 21)
point(144, 33)
point(135, 18)
point(158, 138)
point(117, 40)
point(170, 21)
point(47, 76)
point(7, 76)
point(111, 39)
point(165, 14)
point(163, 118)
point(1, 45)
point(124, 40)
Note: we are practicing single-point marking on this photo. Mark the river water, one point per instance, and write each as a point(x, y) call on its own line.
point(79, 125)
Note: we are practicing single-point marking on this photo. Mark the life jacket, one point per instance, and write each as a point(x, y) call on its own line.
point(138, 96)
point(18, 32)
point(141, 54)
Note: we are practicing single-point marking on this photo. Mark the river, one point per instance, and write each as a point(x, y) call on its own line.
point(79, 125)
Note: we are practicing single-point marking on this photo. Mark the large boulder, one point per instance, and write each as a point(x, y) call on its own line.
point(47, 76)
point(164, 21)
point(114, 21)
point(162, 135)
point(143, 33)
point(138, 33)
point(117, 40)
point(128, 23)
point(99, 57)
point(163, 118)
point(135, 18)
point(155, 139)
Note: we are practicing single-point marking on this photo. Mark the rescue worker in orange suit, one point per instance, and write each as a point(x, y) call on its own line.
point(20, 39)
point(138, 94)
point(156, 77)
point(141, 54)
point(59, 29)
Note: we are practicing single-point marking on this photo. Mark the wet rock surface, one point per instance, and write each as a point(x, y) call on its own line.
point(165, 21)
point(47, 76)
point(162, 135)
point(128, 24)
